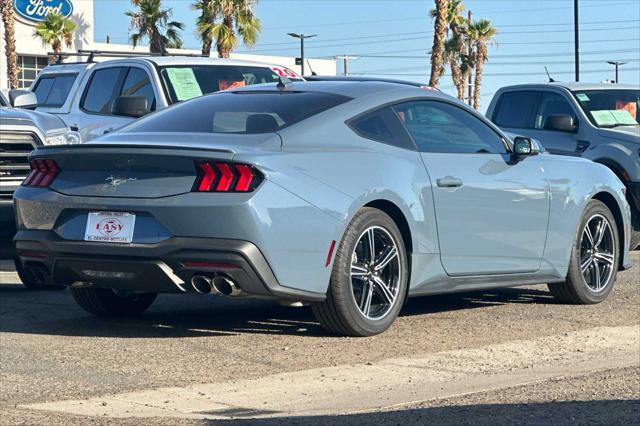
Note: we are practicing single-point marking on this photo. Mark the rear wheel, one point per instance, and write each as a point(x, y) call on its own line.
point(369, 278)
point(31, 282)
point(594, 258)
point(105, 302)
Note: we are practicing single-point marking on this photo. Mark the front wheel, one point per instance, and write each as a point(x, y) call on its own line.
point(369, 278)
point(105, 302)
point(594, 258)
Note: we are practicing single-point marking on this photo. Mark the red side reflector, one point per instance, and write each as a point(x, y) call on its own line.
point(330, 255)
point(33, 255)
point(226, 178)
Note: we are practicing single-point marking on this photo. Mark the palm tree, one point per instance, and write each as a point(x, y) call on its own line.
point(152, 22)
point(6, 10)
point(225, 20)
point(54, 31)
point(439, 35)
point(481, 33)
point(454, 47)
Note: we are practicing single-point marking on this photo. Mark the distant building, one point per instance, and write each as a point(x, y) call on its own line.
point(32, 56)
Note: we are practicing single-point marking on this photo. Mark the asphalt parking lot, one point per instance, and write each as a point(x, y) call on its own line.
point(512, 355)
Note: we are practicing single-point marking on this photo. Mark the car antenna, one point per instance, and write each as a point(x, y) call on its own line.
point(551, 80)
point(312, 71)
point(283, 82)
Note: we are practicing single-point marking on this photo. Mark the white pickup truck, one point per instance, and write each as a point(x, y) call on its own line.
point(98, 98)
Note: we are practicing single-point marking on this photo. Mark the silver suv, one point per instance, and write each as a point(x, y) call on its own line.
point(98, 98)
point(594, 121)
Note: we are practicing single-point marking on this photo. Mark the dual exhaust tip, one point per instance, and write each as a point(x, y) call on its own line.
point(204, 284)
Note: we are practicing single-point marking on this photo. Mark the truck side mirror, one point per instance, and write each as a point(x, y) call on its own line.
point(130, 106)
point(23, 99)
point(560, 123)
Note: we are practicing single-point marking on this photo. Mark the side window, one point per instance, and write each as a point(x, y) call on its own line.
point(383, 126)
point(515, 109)
point(138, 83)
point(444, 128)
point(52, 91)
point(551, 103)
point(100, 94)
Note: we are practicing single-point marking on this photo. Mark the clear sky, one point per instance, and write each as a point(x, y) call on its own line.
point(392, 37)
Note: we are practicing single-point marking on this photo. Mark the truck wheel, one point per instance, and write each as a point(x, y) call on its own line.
point(369, 278)
point(105, 302)
point(31, 282)
point(594, 259)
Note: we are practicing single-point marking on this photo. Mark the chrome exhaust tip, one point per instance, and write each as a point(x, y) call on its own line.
point(202, 284)
point(226, 286)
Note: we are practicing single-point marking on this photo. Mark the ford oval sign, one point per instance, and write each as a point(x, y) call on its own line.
point(35, 11)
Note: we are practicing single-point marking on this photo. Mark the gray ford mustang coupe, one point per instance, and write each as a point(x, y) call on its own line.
point(349, 196)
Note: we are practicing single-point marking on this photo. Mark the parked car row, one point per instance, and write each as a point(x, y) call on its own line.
point(349, 194)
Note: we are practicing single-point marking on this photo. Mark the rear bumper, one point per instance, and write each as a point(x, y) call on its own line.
point(165, 267)
point(7, 230)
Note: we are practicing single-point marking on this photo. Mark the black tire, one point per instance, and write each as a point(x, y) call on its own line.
point(635, 231)
point(105, 302)
point(340, 313)
point(31, 282)
point(576, 289)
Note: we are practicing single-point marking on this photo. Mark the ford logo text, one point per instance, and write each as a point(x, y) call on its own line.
point(38, 10)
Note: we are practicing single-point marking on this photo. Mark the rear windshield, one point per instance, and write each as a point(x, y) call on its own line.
point(239, 112)
point(186, 82)
point(53, 90)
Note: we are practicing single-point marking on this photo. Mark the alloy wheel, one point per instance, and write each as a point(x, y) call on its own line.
point(597, 253)
point(375, 273)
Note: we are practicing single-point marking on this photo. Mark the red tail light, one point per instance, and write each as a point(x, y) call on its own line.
point(43, 172)
point(226, 177)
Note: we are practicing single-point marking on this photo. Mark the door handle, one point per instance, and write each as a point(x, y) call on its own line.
point(108, 131)
point(449, 182)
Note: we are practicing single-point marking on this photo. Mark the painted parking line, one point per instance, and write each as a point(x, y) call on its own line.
point(364, 387)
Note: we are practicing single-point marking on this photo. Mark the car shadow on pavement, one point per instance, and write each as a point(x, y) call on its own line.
point(599, 412)
point(171, 316)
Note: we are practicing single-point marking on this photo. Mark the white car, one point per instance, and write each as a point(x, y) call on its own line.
point(98, 98)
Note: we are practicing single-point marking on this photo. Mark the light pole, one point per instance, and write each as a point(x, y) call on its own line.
point(301, 37)
point(617, 64)
point(576, 38)
point(346, 59)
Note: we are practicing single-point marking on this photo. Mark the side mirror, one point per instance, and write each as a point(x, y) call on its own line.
point(524, 147)
point(23, 99)
point(130, 106)
point(560, 123)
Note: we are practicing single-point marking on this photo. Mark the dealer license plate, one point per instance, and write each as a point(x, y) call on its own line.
point(110, 227)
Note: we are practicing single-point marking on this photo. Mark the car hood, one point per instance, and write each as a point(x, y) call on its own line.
point(622, 133)
point(21, 117)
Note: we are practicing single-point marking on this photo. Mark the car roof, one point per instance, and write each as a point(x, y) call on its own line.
point(572, 86)
point(352, 89)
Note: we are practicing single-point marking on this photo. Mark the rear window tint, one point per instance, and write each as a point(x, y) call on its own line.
point(516, 109)
point(52, 91)
point(239, 112)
